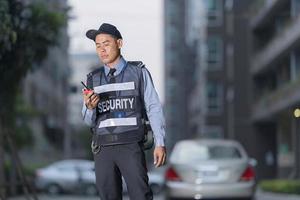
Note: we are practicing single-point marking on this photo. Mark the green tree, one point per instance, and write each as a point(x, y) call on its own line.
point(27, 30)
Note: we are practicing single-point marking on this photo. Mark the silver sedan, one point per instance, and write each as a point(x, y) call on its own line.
point(201, 169)
point(67, 176)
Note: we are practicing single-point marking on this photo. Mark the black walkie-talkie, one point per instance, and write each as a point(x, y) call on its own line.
point(86, 87)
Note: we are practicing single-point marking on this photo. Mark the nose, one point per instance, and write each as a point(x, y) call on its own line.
point(102, 48)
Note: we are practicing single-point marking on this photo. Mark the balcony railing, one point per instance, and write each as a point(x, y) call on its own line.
point(260, 9)
point(271, 103)
point(282, 41)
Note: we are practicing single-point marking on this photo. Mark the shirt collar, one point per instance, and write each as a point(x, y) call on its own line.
point(119, 66)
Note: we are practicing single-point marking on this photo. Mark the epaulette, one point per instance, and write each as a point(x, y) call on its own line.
point(137, 63)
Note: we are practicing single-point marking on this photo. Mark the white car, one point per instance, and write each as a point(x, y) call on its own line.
point(67, 176)
point(78, 176)
point(73, 176)
point(212, 169)
point(156, 180)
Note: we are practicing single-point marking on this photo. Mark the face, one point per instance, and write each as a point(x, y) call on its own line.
point(108, 48)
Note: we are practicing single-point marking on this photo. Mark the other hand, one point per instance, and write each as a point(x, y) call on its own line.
point(159, 156)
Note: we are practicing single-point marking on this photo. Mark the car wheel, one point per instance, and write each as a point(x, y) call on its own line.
point(155, 188)
point(53, 189)
point(90, 190)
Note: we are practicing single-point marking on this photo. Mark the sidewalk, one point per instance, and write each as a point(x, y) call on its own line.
point(261, 195)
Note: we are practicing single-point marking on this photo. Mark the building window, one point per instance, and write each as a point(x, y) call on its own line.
point(229, 5)
point(213, 132)
point(211, 5)
point(295, 65)
point(214, 97)
point(214, 52)
point(214, 12)
point(295, 8)
point(230, 61)
point(283, 73)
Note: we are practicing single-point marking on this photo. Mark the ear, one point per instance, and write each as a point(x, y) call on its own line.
point(120, 43)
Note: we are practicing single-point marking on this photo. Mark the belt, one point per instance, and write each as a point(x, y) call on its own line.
point(121, 138)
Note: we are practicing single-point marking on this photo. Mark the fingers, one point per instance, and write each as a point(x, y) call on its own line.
point(94, 100)
point(87, 99)
point(86, 96)
point(164, 159)
point(91, 99)
point(155, 159)
point(88, 103)
point(159, 158)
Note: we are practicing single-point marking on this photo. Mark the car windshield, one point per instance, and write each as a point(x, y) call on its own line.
point(72, 165)
point(200, 152)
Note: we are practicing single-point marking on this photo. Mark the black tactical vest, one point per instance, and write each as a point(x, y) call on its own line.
point(120, 111)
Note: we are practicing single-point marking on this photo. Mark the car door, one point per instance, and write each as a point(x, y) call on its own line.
point(67, 176)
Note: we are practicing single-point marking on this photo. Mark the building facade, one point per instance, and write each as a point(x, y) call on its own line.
point(275, 73)
point(176, 86)
point(219, 96)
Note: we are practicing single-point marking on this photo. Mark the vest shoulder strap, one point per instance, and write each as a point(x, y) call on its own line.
point(137, 63)
point(141, 65)
point(90, 75)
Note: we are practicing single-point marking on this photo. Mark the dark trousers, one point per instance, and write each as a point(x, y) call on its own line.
point(127, 160)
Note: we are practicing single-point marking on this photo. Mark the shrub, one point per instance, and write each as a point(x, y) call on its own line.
point(281, 186)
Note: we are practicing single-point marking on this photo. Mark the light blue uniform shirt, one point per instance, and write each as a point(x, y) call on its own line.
point(151, 102)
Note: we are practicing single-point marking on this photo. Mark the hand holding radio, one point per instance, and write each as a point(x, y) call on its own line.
point(91, 99)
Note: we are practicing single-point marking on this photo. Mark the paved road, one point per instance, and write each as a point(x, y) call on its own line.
point(70, 197)
point(258, 196)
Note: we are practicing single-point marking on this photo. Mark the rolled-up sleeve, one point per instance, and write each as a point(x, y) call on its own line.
point(154, 109)
point(89, 115)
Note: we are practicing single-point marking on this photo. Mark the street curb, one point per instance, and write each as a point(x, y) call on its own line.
point(275, 196)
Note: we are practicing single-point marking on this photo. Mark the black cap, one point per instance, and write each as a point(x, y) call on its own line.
point(104, 28)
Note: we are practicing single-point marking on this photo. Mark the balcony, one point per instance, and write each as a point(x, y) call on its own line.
point(270, 104)
point(262, 11)
point(278, 47)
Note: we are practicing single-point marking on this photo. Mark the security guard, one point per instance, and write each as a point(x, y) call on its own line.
point(113, 108)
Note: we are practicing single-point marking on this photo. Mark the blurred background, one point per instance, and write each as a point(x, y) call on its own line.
point(224, 70)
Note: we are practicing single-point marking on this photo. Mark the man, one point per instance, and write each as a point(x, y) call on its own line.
point(115, 110)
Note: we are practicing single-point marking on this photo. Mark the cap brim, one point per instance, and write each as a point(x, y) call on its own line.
point(91, 34)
